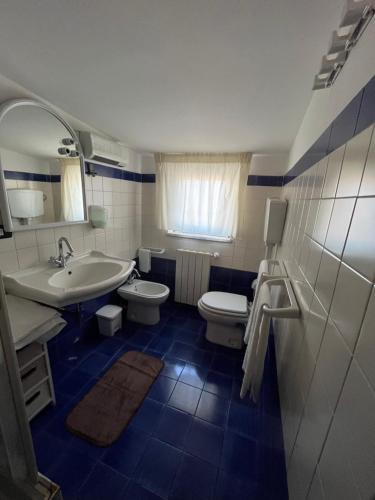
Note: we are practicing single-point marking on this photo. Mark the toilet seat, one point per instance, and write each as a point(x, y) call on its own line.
point(225, 304)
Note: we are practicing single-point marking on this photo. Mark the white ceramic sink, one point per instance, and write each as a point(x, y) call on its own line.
point(86, 277)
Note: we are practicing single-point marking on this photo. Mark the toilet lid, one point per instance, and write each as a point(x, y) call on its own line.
point(228, 302)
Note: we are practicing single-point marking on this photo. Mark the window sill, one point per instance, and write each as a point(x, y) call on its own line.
point(220, 239)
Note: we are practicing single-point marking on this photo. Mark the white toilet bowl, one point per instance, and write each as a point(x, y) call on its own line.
point(144, 299)
point(226, 315)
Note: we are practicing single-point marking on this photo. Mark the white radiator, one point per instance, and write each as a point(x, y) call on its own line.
point(192, 275)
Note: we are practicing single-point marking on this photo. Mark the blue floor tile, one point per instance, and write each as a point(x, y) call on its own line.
point(218, 384)
point(57, 428)
point(125, 454)
point(185, 397)
point(102, 484)
point(205, 441)
point(48, 449)
point(240, 457)
point(147, 417)
point(182, 351)
point(244, 420)
point(223, 364)
point(158, 467)
point(186, 336)
point(82, 446)
point(73, 383)
point(70, 472)
point(135, 492)
point(172, 367)
point(140, 339)
point(110, 346)
point(193, 375)
point(160, 344)
point(94, 364)
point(213, 409)
point(173, 427)
point(161, 389)
point(229, 487)
point(195, 480)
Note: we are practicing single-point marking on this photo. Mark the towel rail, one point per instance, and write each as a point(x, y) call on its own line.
point(291, 311)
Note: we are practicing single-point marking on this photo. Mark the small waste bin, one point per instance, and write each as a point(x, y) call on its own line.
point(109, 319)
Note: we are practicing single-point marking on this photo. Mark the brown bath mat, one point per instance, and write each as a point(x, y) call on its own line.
point(105, 411)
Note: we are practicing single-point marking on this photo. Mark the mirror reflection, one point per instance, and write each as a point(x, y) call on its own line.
point(42, 168)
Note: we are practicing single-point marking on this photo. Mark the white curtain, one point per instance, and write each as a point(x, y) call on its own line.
point(71, 190)
point(199, 194)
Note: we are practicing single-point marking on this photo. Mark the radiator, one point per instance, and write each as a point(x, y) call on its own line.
point(192, 275)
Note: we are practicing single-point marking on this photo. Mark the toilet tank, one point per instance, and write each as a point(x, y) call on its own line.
point(25, 203)
point(274, 220)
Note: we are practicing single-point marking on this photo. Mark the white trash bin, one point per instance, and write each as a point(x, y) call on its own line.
point(109, 319)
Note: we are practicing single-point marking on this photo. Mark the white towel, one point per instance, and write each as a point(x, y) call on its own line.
point(258, 331)
point(144, 255)
point(30, 321)
point(262, 277)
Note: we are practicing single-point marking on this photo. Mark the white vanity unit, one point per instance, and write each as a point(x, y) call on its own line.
point(35, 374)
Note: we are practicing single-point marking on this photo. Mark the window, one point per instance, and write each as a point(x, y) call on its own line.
point(198, 194)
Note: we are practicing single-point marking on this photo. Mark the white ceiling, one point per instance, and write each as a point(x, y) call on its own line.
point(173, 75)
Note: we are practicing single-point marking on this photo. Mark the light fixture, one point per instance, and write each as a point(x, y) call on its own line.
point(68, 141)
point(73, 154)
point(357, 15)
point(63, 151)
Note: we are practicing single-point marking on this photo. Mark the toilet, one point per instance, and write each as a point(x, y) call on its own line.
point(144, 299)
point(226, 315)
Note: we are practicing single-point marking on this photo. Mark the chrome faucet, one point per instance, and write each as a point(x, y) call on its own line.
point(134, 274)
point(62, 259)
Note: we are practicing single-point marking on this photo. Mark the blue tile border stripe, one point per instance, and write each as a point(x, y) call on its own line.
point(353, 119)
point(265, 180)
point(29, 176)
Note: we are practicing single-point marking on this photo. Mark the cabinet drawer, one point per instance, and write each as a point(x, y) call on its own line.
point(28, 353)
point(33, 373)
point(38, 399)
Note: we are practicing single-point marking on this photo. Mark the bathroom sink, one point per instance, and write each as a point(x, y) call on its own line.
point(86, 276)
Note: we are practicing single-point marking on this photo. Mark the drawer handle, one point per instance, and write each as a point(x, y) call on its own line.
point(28, 373)
point(33, 397)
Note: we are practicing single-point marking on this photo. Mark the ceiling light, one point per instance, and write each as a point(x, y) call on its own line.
point(357, 15)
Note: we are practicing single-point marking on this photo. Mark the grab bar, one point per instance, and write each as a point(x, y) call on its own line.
point(291, 311)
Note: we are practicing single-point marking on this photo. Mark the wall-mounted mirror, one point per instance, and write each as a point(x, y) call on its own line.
point(41, 168)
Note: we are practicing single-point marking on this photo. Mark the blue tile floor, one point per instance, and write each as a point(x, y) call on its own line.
point(192, 438)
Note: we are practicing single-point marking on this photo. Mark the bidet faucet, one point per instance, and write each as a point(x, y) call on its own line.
point(133, 275)
point(62, 259)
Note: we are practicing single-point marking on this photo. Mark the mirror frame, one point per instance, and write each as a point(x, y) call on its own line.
point(7, 222)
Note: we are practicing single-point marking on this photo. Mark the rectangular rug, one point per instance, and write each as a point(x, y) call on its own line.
point(102, 415)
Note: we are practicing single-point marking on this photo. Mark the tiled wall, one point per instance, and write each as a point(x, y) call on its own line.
point(119, 191)
point(326, 358)
point(246, 251)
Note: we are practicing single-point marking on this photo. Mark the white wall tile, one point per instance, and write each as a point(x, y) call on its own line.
point(25, 239)
point(335, 471)
point(339, 225)
point(9, 262)
point(333, 172)
point(349, 303)
point(354, 163)
point(368, 180)
point(365, 351)
point(355, 419)
point(28, 257)
point(333, 362)
point(359, 250)
point(326, 280)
